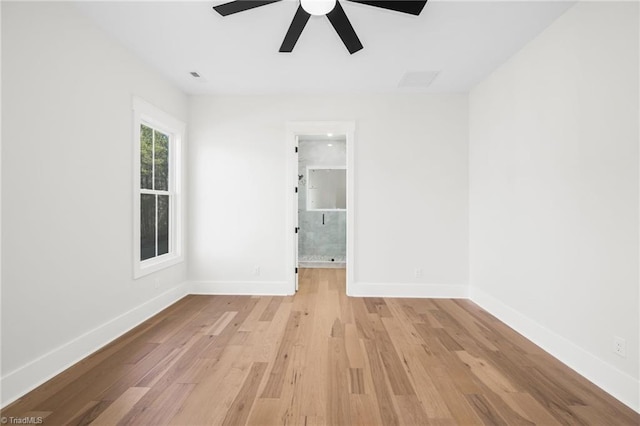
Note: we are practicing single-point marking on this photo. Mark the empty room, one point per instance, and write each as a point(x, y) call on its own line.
point(320, 212)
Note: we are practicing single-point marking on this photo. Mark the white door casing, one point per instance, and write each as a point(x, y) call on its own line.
point(293, 131)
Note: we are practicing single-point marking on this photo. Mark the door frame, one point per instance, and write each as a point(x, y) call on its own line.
point(294, 129)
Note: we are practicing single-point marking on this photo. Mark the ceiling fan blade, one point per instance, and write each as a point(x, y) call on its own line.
point(298, 23)
point(413, 7)
point(343, 27)
point(240, 6)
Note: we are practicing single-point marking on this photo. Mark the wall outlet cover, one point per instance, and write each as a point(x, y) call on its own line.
point(620, 346)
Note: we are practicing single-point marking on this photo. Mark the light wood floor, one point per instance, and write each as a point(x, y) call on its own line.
point(320, 357)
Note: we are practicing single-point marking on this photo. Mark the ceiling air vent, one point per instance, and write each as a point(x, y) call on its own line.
point(417, 79)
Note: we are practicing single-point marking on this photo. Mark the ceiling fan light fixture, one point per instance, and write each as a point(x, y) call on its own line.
point(318, 7)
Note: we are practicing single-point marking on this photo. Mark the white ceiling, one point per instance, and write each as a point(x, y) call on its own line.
point(238, 54)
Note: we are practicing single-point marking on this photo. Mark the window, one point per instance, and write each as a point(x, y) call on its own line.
point(157, 192)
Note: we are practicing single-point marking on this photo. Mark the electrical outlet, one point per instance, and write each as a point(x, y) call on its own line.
point(418, 272)
point(256, 271)
point(620, 346)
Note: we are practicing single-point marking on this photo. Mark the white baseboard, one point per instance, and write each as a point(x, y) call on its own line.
point(34, 373)
point(434, 291)
point(613, 381)
point(249, 288)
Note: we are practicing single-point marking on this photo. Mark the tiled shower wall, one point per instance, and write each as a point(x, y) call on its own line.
point(318, 242)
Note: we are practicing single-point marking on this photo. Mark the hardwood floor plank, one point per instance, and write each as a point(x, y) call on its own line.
point(264, 340)
point(38, 416)
point(385, 403)
point(313, 390)
point(411, 411)
point(220, 385)
point(352, 343)
point(160, 410)
point(263, 412)
point(363, 325)
point(447, 341)
point(483, 408)
point(401, 324)
point(409, 353)
point(337, 329)
point(276, 376)
point(241, 406)
point(253, 319)
point(508, 409)
point(356, 381)
point(271, 308)
point(534, 411)
point(88, 413)
point(461, 412)
point(218, 327)
point(338, 404)
point(487, 373)
point(468, 325)
point(227, 373)
point(66, 404)
point(409, 311)
point(321, 358)
point(120, 407)
point(400, 383)
point(491, 325)
point(591, 415)
point(363, 410)
point(293, 392)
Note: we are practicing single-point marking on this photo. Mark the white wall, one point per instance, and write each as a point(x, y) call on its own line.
point(410, 189)
point(67, 191)
point(554, 192)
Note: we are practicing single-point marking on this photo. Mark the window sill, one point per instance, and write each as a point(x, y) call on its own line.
point(155, 264)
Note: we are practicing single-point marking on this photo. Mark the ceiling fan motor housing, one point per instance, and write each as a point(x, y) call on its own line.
point(318, 7)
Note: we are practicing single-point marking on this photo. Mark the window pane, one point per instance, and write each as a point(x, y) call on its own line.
point(146, 157)
point(162, 161)
point(147, 226)
point(163, 224)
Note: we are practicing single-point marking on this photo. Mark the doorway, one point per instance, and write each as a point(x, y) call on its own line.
point(321, 174)
point(322, 201)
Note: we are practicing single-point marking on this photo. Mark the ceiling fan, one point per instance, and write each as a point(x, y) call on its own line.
point(329, 8)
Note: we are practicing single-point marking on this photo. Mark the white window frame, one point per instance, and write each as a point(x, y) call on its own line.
point(149, 115)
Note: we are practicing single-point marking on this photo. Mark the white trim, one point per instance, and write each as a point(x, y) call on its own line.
point(154, 264)
point(144, 112)
point(293, 130)
point(156, 117)
point(249, 288)
point(410, 290)
point(613, 381)
point(35, 372)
